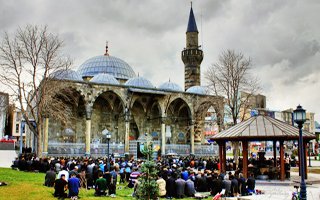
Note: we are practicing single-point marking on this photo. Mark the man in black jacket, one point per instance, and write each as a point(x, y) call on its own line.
point(216, 185)
point(60, 186)
point(171, 186)
point(251, 183)
point(50, 178)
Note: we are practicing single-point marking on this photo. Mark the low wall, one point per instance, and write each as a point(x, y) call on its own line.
point(6, 146)
point(6, 157)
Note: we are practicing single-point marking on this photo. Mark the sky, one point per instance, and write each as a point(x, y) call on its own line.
point(281, 37)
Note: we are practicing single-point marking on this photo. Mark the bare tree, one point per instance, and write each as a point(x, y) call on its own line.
point(28, 60)
point(229, 77)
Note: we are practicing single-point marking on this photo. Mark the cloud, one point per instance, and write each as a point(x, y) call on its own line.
point(281, 37)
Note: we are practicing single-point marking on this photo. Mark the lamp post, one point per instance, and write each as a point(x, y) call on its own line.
point(300, 118)
point(310, 149)
point(108, 136)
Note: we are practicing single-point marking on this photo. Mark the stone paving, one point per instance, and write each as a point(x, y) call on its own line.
point(284, 192)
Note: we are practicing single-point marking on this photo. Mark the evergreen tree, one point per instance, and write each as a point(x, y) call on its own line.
point(148, 188)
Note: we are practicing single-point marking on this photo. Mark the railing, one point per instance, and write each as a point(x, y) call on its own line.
point(199, 150)
point(78, 149)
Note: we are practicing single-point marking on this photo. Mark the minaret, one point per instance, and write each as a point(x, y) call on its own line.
point(192, 55)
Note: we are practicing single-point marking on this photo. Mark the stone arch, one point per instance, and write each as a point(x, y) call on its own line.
point(70, 128)
point(146, 113)
point(101, 91)
point(179, 118)
point(154, 119)
point(203, 126)
point(107, 113)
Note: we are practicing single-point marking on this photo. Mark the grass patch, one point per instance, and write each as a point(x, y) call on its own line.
point(28, 185)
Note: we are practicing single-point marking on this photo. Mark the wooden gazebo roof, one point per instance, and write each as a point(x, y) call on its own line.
point(262, 128)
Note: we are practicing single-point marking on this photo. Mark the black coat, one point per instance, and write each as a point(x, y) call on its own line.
point(216, 186)
point(50, 178)
point(171, 187)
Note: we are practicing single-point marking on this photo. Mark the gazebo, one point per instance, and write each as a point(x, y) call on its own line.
point(260, 128)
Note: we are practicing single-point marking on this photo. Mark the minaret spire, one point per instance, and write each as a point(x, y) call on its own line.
point(106, 53)
point(192, 25)
point(192, 55)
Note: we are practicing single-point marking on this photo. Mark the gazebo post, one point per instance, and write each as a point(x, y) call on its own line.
point(306, 158)
point(282, 172)
point(220, 155)
point(275, 153)
point(245, 158)
point(223, 157)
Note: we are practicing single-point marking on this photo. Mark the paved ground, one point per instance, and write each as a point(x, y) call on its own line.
point(282, 190)
point(278, 192)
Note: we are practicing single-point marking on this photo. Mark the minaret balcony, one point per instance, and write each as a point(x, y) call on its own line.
point(192, 52)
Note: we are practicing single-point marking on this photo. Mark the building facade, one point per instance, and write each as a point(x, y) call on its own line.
point(4, 105)
point(111, 98)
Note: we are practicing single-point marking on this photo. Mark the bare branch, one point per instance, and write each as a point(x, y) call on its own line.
point(27, 59)
point(229, 77)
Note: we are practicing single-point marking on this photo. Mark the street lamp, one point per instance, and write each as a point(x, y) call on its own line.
point(310, 149)
point(108, 136)
point(300, 118)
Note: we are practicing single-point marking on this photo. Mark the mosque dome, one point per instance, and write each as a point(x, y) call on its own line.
point(104, 78)
point(139, 82)
point(197, 90)
point(67, 75)
point(170, 86)
point(114, 66)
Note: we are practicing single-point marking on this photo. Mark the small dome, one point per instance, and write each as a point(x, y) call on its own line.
point(104, 78)
point(197, 90)
point(170, 86)
point(139, 82)
point(67, 75)
point(114, 66)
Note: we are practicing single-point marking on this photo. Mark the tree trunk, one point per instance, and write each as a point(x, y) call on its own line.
point(235, 146)
point(39, 141)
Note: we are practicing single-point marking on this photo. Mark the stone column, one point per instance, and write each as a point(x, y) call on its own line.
point(220, 118)
point(88, 129)
point(192, 137)
point(163, 138)
point(45, 136)
point(127, 124)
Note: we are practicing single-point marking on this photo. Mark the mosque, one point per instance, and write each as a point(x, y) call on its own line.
point(113, 99)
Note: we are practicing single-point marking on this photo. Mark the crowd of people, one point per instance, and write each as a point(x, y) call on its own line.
point(177, 177)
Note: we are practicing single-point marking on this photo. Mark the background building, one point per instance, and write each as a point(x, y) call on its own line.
point(4, 107)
